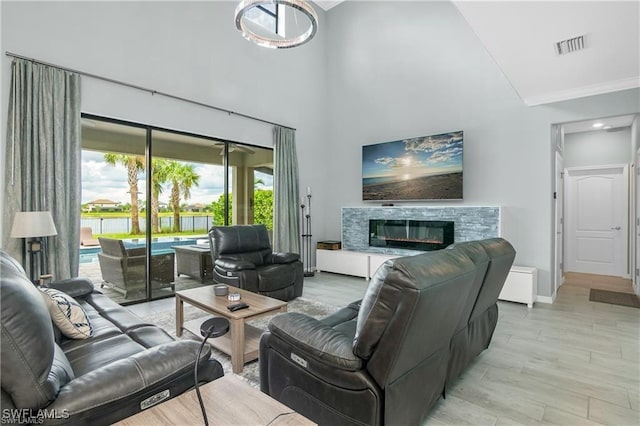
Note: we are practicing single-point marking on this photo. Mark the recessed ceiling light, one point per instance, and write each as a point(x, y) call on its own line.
point(606, 127)
point(598, 125)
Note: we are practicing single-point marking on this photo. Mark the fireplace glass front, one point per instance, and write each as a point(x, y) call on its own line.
point(411, 234)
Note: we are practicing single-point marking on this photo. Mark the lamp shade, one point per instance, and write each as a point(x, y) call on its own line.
point(33, 224)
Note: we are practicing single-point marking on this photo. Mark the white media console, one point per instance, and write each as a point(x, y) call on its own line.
point(521, 285)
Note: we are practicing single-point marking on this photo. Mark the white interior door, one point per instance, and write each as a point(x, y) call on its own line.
point(559, 220)
point(597, 220)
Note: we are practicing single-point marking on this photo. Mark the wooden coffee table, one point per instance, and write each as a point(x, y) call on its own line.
point(243, 340)
point(228, 401)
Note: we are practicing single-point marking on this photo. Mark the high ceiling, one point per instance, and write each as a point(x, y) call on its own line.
point(521, 37)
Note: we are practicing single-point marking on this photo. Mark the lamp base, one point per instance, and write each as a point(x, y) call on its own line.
point(214, 327)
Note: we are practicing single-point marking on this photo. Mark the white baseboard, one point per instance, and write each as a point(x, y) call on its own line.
point(546, 299)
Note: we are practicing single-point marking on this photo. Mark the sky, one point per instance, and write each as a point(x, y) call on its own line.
point(101, 180)
point(412, 158)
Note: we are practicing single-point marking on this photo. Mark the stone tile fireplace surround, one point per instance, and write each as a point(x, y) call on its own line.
point(470, 223)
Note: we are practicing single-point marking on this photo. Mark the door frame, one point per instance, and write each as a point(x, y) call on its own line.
point(635, 224)
point(626, 223)
point(558, 196)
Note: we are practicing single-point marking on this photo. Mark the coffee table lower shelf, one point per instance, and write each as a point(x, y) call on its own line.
point(223, 343)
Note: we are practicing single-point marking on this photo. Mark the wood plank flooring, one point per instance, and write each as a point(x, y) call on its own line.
point(574, 362)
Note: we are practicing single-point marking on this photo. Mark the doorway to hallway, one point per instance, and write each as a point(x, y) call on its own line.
point(597, 219)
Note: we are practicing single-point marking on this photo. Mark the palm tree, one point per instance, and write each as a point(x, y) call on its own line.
point(134, 164)
point(182, 177)
point(159, 174)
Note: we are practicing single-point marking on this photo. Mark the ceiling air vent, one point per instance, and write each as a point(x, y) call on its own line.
point(570, 45)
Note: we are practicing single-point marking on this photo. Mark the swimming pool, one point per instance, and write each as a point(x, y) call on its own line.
point(158, 246)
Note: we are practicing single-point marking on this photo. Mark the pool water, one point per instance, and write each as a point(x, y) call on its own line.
point(158, 246)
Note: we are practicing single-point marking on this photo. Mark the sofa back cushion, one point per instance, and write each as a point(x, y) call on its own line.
point(501, 255)
point(32, 366)
point(480, 258)
point(371, 323)
point(405, 298)
point(241, 242)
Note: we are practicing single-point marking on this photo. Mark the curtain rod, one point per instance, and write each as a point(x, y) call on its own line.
point(145, 89)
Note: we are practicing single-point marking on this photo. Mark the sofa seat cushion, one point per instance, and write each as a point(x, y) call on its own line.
point(88, 358)
point(67, 314)
point(348, 328)
point(275, 277)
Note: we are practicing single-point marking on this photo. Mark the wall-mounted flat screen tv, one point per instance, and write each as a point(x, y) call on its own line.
point(423, 168)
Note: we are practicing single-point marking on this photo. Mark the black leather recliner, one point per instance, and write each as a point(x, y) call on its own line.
point(242, 257)
point(493, 259)
point(98, 380)
point(386, 359)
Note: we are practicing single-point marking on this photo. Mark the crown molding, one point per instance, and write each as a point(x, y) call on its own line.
point(581, 92)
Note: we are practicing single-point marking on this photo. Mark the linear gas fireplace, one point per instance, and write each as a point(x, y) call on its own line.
point(410, 234)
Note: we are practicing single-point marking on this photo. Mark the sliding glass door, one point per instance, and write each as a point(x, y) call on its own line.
point(194, 182)
point(113, 244)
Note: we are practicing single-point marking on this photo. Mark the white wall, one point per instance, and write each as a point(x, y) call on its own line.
point(407, 69)
point(597, 148)
point(189, 49)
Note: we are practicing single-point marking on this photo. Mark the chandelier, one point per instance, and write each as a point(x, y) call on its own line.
point(276, 42)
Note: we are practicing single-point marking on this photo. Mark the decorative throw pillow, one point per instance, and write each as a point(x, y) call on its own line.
point(67, 314)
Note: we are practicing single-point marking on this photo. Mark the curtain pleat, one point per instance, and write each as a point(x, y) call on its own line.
point(42, 162)
point(286, 219)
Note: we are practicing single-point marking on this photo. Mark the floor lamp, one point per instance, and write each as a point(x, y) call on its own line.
point(33, 226)
point(306, 234)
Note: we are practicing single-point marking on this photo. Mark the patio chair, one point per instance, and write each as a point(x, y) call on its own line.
point(86, 237)
point(123, 269)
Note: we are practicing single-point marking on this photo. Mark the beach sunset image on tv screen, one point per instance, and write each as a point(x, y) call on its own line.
point(424, 168)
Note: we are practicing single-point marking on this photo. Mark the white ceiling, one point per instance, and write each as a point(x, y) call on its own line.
point(521, 36)
point(610, 124)
point(326, 5)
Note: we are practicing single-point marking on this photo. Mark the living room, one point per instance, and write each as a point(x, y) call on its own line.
point(374, 72)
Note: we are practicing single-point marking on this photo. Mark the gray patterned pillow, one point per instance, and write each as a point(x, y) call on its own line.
point(67, 314)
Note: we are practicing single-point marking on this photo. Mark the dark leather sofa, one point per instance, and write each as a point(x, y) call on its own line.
point(242, 257)
point(388, 358)
point(493, 259)
point(98, 380)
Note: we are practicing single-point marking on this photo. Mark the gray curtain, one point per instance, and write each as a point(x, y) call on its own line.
point(286, 219)
point(42, 162)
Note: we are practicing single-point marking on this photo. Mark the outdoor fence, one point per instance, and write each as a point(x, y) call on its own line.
point(122, 225)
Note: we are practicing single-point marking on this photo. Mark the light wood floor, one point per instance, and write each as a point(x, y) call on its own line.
point(600, 282)
point(574, 362)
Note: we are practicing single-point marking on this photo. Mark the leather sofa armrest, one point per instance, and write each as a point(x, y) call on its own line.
point(74, 287)
point(234, 265)
point(122, 379)
point(316, 339)
point(343, 315)
point(285, 257)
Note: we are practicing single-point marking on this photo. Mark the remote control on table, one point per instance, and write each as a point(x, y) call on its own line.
point(237, 306)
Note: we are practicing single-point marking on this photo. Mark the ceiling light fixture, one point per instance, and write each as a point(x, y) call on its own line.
point(597, 125)
point(272, 42)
